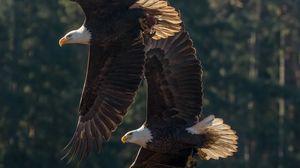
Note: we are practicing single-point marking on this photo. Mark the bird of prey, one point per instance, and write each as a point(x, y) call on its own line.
point(114, 31)
point(175, 128)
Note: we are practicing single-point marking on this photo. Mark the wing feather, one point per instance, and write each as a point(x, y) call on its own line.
point(167, 19)
point(113, 76)
point(174, 78)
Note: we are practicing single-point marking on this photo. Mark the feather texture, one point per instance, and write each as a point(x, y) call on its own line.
point(221, 139)
point(174, 78)
point(167, 20)
point(149, 159)
point(113, 76)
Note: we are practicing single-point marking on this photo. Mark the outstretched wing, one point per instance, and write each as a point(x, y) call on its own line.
point(113, 76)
point(174, 78)
point(149, 159)
point(161, 20)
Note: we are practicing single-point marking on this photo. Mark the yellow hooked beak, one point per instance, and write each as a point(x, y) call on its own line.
point(125, 138)
point(62, 41)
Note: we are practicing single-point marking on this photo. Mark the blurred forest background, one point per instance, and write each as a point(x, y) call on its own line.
point(251, 59)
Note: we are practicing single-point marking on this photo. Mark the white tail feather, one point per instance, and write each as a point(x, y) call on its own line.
point(202, 125)
point(222, 140)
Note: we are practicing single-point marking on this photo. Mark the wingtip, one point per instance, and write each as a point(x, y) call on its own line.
point(77, 147)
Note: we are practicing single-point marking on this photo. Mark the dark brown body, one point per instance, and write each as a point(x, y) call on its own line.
point(173, 140)
point(116, 24)
point(170, 135)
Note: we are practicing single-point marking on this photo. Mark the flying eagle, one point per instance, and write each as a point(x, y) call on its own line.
point(114, 31)
point(175, 127)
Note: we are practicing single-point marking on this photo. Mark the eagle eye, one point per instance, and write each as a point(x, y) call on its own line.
point(69, 36)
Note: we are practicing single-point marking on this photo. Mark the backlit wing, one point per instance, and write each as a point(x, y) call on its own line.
point(161, 20)
point(174, 78)
point(113, 76)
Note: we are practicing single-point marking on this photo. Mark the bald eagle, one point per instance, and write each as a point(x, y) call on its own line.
point(175, 127)
point(114, 31)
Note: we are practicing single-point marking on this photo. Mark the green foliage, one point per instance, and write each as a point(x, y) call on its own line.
point(247, 48)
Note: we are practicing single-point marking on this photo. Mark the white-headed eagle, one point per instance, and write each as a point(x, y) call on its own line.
point(114, 31)
point(175, 128)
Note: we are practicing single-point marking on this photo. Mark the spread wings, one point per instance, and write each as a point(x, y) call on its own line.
point(113, 76)
point(149, 159)
point(174, 81)
point(161, 20)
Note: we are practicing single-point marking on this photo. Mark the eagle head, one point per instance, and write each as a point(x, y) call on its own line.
point(79, 36)
point(139, 136)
